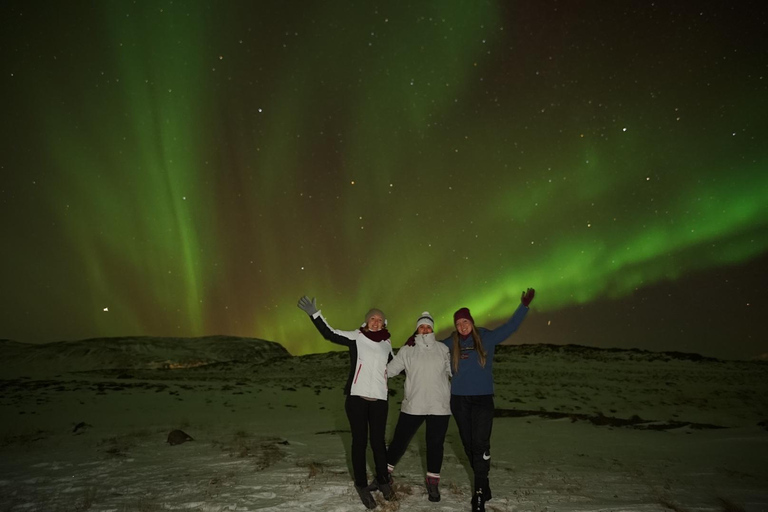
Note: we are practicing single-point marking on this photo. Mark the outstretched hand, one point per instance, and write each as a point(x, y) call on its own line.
point(309, 306)
point(527, 297)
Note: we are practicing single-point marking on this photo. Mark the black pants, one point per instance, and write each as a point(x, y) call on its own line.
point(367, 416)
point(407, 425)
point(474, 417)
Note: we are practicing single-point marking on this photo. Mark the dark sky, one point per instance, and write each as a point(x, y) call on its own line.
point(193, 167)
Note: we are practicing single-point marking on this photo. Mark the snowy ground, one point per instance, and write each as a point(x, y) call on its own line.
point(274, 436)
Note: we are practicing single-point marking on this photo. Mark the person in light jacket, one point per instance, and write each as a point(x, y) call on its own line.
point(427, 367)
point(370, 349)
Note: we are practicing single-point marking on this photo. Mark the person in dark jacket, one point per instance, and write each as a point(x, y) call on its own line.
point(370, 349)
point(472, 350)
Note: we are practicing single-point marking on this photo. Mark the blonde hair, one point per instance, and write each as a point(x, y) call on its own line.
point(457, 349)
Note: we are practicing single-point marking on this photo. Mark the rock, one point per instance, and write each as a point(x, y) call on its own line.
point(81, 427)
point(177, 437)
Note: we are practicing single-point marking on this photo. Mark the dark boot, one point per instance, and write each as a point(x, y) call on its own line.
point(482, 483)
point(387, 492)
point(432, 489)
point(478, 501)
point(366, 497)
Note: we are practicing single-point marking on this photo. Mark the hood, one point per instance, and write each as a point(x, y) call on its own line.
point(425, 340)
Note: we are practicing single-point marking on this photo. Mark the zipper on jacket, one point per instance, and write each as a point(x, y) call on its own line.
point(359, 367)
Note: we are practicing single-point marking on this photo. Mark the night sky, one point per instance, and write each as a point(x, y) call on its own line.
point(192, 168)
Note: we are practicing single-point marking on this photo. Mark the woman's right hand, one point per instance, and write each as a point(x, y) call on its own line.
point(309, 306)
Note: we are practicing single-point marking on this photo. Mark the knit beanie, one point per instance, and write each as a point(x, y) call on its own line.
point(463, 313)
point(375, 311)
point(425, 319)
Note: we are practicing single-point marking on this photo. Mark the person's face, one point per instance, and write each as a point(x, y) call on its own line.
point(424, 329)
point(375, 323)
point(464, 326)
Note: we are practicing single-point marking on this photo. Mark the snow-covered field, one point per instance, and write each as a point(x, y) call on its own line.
point(576, 429)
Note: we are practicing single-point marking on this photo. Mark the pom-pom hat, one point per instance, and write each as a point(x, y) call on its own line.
point(425, 319)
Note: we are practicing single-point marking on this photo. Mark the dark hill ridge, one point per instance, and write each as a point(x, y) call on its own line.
point(133, 352)
point(595, 353)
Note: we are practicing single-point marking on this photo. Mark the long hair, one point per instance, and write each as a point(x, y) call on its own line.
point(457, 349)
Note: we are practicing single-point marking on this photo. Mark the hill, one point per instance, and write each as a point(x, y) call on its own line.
point(139, 352)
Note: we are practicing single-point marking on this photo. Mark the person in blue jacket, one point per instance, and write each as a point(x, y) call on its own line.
point(370, 349)
point(472, 350)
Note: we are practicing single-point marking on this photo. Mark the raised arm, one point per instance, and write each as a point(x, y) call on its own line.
point(505, 330)
point(309, 306)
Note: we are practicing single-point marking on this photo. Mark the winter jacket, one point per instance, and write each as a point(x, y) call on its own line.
point(473, 379)
point(427, 376)
point(367, 359)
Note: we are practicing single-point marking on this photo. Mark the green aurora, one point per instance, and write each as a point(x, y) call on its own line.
point(193, 168)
